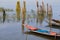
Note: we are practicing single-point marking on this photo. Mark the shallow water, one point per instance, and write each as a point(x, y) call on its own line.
point(13, 30)
point(16, 31)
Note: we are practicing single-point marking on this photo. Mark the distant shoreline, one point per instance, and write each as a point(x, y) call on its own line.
point(7, 9)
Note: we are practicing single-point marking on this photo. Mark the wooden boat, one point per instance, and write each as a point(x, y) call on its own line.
point(54, 22)
point(57, 21)
point(40, 31)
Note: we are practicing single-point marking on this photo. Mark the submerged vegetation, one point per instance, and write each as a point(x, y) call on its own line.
point(6, 9)
point(35, 18)
point(39, 15)
point(18, 10)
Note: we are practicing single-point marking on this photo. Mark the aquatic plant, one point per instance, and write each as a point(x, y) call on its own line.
point(18, 10)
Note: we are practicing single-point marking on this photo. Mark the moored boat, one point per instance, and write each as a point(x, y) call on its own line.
point(57, 21)
point(54, 22)
point(41, 31)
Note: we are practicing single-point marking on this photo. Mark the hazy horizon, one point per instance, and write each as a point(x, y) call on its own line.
point(30, 3)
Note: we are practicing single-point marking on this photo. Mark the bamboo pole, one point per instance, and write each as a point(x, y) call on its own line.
point(42, 13)
point(23, 14)
point(37, 9)
point(24, 9)
point(18, 10)
point(47, 9)
point(49, 15)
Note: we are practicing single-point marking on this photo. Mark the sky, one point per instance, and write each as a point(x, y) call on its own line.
point(30, 3)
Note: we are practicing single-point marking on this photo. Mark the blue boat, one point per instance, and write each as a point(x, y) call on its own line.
point(41, 31)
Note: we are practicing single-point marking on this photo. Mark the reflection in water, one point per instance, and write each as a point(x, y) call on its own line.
point(7, 18)
point(28, 18)
point(33, 14)
point(37, 10)
point(40, 18)
point(24, 10)
point(23, 15)
point(49, 12)
point(49, 15)
point(18, 10)
point(41, 13)
point(39, 35)
point(26, 36)
point(23, 21)
point(4, 15)
point(0, 18)
point(10, 18)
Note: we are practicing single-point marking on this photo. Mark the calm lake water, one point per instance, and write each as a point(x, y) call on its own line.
point(13, 30)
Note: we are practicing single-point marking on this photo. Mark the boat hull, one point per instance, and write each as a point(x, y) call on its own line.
point(41, 31)
point(54, 23)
